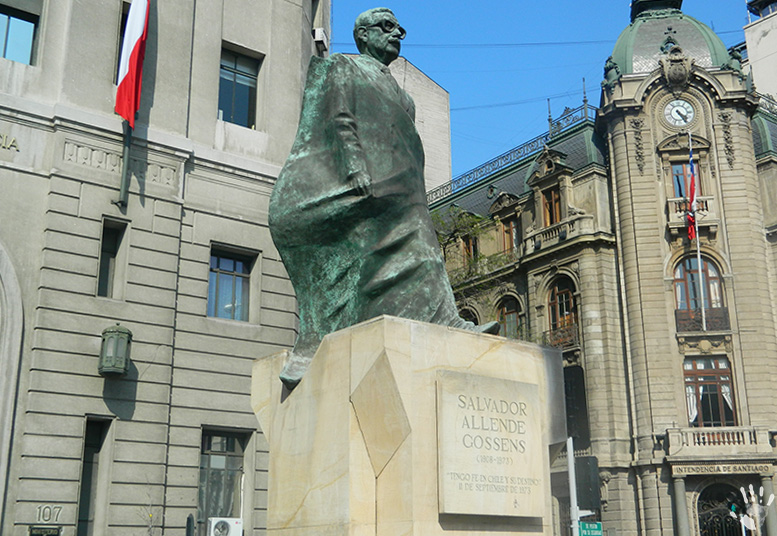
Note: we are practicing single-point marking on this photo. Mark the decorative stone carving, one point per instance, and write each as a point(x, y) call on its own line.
point(728, 138)
point(734, 61)
point(109, 161)
point(612, 75)
point(639, 146)
point(604, 477)
point(502, 201)
point(572, 357)
point(547, 162)
point(705, 344)
point(677, 69)
point(92, 157)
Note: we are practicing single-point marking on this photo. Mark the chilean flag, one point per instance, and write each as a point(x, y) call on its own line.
point(692, 195)
point(133, 48)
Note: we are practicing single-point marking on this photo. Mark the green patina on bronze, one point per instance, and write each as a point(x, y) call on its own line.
point(348, 213)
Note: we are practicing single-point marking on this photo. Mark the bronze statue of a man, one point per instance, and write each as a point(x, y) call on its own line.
point(348, 213)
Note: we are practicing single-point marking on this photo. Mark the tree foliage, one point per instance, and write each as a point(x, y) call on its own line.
point(454, 223)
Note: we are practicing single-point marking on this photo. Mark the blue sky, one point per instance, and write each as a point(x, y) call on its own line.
point(488, 54)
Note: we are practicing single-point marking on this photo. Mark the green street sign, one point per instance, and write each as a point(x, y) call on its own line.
point(590, 529)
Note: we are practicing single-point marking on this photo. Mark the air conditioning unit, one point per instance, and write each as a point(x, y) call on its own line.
point(321, 39)
point(225, 526)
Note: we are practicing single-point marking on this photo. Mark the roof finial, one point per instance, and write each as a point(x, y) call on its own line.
point(640, 6)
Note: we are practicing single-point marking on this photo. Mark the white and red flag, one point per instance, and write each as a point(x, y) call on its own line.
point(133, 48)
point(692, 204)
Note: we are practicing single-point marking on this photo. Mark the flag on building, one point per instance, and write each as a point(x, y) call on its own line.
point(692, 204)
point(133, 49)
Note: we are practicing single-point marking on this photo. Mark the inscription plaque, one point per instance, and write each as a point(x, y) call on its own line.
point(45, 531)
point(490, 446)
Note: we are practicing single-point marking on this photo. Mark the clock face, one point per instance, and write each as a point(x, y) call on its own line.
point(679, 113)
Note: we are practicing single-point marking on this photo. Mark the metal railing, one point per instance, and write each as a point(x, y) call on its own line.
point(691, 320)
point(568, 119)
point(483, 265)
point(767, 103)
point(562, 337)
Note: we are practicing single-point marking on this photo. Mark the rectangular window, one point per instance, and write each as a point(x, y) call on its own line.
point(509, 234)
point(237, 89)
point(681, 180)
point(470, 246)
point(109, 277)
point(221, 477)
point(94, 471)
point(551, 206)
point(229, 285)
point(18, 30)
point(708, 392)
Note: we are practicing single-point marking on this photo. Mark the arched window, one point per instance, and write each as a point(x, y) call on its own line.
point(715, 507)
point(469, 315)
point(688, 299)
point(510, 319)
point(562, 311)
point(708, 393)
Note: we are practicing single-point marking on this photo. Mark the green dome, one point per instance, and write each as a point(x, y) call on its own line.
point(640, 45)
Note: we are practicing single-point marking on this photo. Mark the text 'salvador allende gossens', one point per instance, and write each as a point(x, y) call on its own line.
point(493, 425)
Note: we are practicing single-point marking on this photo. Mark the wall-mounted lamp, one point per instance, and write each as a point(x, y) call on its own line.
point(115, 351)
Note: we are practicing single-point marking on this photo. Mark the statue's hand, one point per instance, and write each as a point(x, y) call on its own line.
point(362, 182)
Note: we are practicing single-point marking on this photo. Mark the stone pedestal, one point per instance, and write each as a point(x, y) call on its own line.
point(407, 428)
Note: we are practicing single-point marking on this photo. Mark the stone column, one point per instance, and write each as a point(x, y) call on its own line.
point(771, 510)
point(683, 527)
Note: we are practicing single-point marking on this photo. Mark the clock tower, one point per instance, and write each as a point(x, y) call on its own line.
point(676, 112)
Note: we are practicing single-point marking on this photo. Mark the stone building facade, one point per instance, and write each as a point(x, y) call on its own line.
point(579, 239)
point(188, 266)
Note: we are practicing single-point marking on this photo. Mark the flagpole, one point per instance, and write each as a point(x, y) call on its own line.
point(125, 160)
point(129, 83)
point(699, 265)
point(701, 278)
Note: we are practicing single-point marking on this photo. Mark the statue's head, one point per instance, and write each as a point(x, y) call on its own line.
point(378, 33)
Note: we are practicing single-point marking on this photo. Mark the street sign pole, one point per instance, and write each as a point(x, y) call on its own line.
point(574, 512)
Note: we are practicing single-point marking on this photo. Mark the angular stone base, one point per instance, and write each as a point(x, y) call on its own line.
point(354, 448)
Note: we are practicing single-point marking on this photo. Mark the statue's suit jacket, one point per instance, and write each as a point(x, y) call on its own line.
point(352, 257)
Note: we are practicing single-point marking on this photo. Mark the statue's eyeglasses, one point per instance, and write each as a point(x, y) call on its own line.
point(388, 27)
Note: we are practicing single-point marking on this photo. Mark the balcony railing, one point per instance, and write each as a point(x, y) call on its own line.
point(767, 103)
point(691, 320)
point(554, 234)
point(712, 441)
point(567, 120)
point(706, 212)
point(562, 337)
